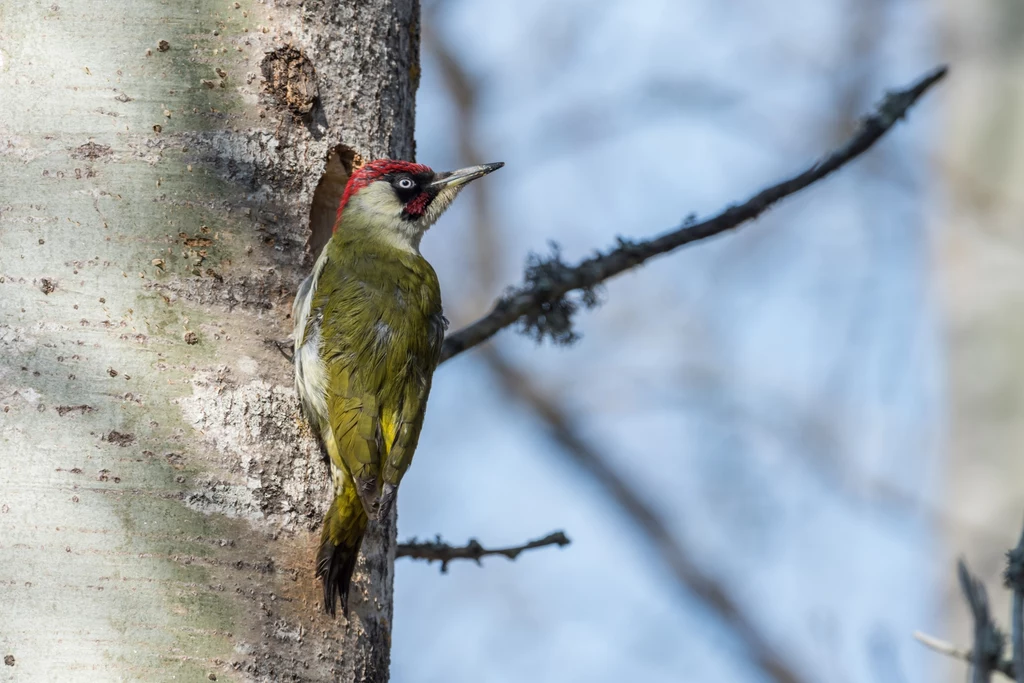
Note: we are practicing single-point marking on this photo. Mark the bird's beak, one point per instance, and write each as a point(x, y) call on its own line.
point(463, 175)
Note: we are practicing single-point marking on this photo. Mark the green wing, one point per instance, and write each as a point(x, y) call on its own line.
point(355, 426)
point(404, 421)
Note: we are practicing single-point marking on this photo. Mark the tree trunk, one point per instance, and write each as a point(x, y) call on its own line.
point(160, 498)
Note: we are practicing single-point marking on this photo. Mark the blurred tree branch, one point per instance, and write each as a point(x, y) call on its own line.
point(811, 432)
point(641, 514)
point(519, 385)
point(543, 307)
point(464, 96)
point(541, 303)
point(439, 551)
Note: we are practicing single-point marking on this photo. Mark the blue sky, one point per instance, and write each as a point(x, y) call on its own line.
point(776, 393)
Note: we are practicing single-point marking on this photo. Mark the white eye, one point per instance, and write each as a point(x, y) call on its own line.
point(406, 184)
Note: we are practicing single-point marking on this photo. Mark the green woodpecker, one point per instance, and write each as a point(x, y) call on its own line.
point(368, 333)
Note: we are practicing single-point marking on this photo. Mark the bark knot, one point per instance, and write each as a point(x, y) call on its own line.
point(291, 79)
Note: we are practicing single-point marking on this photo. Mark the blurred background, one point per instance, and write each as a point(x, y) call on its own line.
point(768, 448)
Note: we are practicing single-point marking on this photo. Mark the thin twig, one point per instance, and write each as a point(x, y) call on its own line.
point(636, 508)
point(1005, 666)
point(1014, 579)
point(439, 551)
point(532, 301)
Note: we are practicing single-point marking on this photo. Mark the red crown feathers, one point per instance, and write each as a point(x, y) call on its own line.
point(372, 171)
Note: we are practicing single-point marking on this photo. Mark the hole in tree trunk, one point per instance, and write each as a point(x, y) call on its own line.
point(327, 196)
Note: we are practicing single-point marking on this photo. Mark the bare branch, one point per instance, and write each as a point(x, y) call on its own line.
point(439, 551)
point(1004, 666)
point(1014, 580)
point(989, 641)
point(541, 302)
point(636, 508)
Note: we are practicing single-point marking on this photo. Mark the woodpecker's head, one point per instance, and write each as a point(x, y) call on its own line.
point(400, 200)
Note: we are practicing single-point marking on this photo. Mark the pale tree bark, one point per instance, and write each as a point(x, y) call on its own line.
point(980, 268)
point(159, 495)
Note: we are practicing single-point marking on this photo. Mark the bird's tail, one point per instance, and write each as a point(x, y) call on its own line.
point(340, 539)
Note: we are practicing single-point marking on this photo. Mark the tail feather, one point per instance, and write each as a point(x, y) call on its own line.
point(344, 527)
